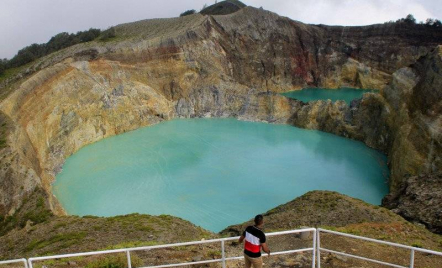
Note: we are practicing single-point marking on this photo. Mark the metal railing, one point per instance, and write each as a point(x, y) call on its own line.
point(15, 261)
point(222, 242)
point(320, 249)
point(316, 250)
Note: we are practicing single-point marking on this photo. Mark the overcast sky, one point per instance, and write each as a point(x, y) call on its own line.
point(24, 22)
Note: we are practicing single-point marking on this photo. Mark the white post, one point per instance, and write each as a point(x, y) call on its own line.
point(29, 263)
point(318, 247)
point(26, 263)
point(129, 263)
point(223, 254)
point(412, 259)
point(314, 249)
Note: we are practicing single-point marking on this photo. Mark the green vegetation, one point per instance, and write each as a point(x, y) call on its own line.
point(223, 8)
point(104, 261)
point(82, 234)
point(417, 245)
point(132, 244)
point(33, 209)
point(65, 240)
point(115, 261)
point(3, 137)
point(35, 217)
point(57, 42)
point(3, 63)
point(108, 34)
point(409, 19)
point(214, 254)
point(433, 22)
point(188, 12)
point(9, 73)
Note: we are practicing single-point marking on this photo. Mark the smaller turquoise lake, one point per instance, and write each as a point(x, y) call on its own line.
point(313, 94)
point(215, 172)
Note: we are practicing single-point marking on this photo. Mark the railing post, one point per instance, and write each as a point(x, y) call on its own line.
point(412, 258)
point(26, 263)
point(129, 263)
point(29, 263)
point(314, 249)
point(223, 254)
point(318, 247)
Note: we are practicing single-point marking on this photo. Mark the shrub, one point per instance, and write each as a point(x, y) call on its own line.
point(408, 19)
point(108, 34)
point(188, 12)
point(433, 22)
point(3, 63)
point(417, 245)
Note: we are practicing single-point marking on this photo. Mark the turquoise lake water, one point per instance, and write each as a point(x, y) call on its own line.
point(215, 172)
point(313, 94)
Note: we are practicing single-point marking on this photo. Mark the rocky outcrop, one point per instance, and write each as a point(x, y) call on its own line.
point(219, 66)
point(419, 199)
point(223, 8)
point(320, 208)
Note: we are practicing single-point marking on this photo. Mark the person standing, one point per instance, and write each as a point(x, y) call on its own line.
point(255, 239)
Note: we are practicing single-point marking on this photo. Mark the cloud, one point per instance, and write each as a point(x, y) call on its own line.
point(348, 12)
point(30, 21)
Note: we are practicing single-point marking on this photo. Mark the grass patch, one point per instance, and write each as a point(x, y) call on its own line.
point(116, 261)
point(8, 73)
point(11, 73)
point(97, 227)
point(90, 217)
point(60, 225)
point(214, 254)
point(37, 216)
point(60, 262)
point(132, 244)
point(66, 240)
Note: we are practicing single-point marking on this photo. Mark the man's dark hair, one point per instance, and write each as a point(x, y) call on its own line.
point(258, 219)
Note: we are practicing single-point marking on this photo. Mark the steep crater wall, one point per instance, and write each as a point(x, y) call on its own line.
point(221, 66)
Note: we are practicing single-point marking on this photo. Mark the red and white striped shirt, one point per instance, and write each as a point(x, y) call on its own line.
point(254, 237)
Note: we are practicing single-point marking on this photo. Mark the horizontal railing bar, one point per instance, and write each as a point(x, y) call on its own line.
point(362, 258)
point(183, 264)
point(227, 259)
point(13, 261)
point(162, 246)
point(273, 253)
point(77, 255)
point(216, 240)
point(237, 258)
point(292, 232)
point(381, 242)
point(234, 258)
point(289, 251)
point(273, 234)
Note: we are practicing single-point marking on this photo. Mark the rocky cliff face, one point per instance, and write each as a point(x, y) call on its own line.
point(415, 99)
point(200, 66)
point(419, 200)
